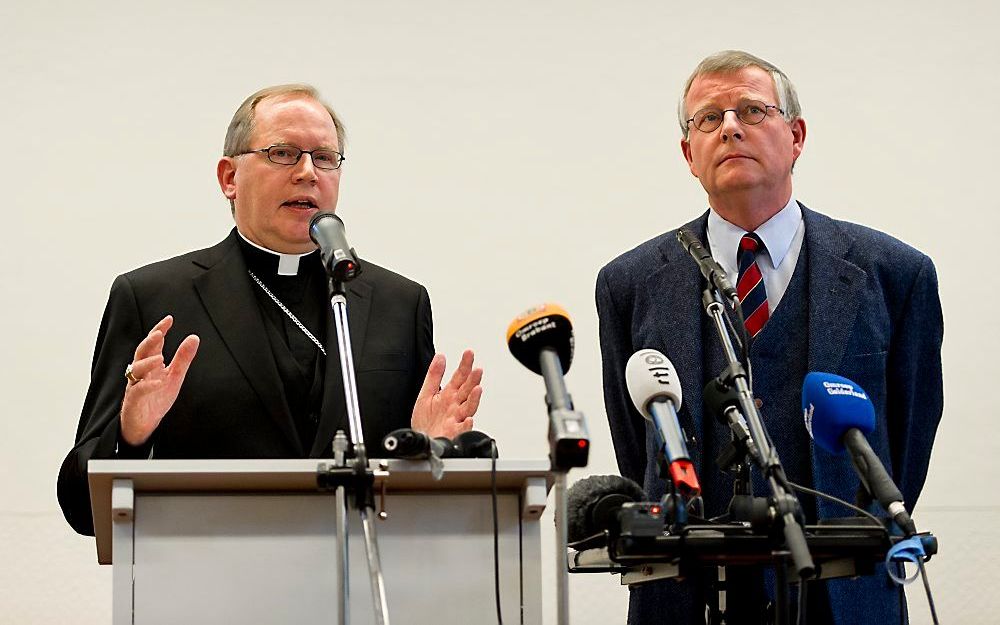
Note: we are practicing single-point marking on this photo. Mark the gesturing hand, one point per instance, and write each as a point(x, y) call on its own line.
point(149, 398)
point(448, 411)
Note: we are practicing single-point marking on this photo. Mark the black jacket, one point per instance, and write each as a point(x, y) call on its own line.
point(231, 404)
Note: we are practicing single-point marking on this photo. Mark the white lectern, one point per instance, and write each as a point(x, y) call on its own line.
point(254, 541)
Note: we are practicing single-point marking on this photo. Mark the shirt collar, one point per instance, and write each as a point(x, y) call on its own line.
point(288, 264)
point(777, 234)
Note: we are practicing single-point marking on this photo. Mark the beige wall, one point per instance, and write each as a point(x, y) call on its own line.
point(485, 137)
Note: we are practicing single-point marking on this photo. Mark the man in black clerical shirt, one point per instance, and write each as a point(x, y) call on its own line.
point(230, 351)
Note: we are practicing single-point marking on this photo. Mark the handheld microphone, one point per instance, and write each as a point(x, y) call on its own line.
point(838, 414)
point(656, 393)
point(413, 445)
point(711, 269)
point(541, 339)
point(328, 232)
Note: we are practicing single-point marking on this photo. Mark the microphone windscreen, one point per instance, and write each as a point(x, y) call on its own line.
point(592, 503)
point(535, 329)
point(474, 444)
point(649, 375)
point(832, 405)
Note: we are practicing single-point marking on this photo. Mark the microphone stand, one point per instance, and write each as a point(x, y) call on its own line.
point(785, 504)
point(559, 407)
point(359, 476)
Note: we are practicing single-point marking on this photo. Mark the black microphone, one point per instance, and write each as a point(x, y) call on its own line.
point(473, 444)
point(723, 401)
point(593, 503)
point(328, 232)
point(656, 393)
point(838, 414)
point(541, 338)
point(413, 445)
point(712, 270)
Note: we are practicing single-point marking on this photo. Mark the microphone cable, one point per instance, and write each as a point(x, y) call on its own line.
point(801, 617)
point(821, 495)
point(496, 528)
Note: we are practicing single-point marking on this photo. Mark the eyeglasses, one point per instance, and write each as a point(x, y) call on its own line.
point(290, 155)
point(751, 112)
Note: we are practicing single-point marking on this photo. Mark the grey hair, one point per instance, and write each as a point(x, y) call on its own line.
point(729, 61)
point(241, 127)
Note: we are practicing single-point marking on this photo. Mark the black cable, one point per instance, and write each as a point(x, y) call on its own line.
point(802, 602)
point(496, 529)
point(927, 589)
point(816, 493)
point(902, 601)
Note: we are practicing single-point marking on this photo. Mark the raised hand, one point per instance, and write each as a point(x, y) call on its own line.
point(156, 384)
point(447, 411)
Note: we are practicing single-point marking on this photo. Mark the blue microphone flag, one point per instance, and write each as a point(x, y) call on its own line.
point(832, 405)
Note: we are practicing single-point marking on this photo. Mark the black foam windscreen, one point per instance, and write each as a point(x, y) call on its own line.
point(474, 444)
point(592, 503)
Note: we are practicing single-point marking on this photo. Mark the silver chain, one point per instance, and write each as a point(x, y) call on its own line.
point(287, 312)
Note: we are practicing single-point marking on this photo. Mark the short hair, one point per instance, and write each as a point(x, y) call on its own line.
point(729, 61)
point(241, 127)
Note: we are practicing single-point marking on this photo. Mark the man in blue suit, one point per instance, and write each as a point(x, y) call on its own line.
point(818, 294)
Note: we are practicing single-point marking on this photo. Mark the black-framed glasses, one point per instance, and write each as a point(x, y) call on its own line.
point(290, 155)
point(750, 112)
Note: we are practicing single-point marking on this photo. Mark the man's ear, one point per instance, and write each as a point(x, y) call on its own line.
point(226, 173)
point(686, 150)
point(798, 126)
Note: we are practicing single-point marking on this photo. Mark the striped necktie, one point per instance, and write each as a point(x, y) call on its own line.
point(750, 285)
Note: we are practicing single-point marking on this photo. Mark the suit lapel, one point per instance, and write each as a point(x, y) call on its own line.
point(333, 414)
point(677, 284)
point(226, 292)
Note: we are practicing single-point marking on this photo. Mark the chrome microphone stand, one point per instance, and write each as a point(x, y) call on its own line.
point(360, 475)
point(786, 505)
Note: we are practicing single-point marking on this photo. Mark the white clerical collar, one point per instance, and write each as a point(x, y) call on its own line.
point(777, 234)
point(288, 264)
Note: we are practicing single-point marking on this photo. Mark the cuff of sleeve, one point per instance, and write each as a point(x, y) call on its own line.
point(125, 451)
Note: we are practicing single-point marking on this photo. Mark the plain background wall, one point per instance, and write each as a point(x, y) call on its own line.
point(499, 153)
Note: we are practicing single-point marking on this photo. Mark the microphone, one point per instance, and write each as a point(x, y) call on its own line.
point(593, 502)
point(328, 232)
point(473, 444)
point(723, 401)
point(656, 393)
point(838, 414)
point(541, 339)
point(711, 269)
point(413, 445)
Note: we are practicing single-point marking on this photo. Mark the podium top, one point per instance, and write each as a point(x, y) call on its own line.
point(290, 475)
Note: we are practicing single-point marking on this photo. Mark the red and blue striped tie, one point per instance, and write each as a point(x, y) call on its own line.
point(750, 285)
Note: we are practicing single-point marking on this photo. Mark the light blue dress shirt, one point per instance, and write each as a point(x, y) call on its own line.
point(782, 235)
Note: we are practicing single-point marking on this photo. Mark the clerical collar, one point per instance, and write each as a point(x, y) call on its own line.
point(276, 262)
